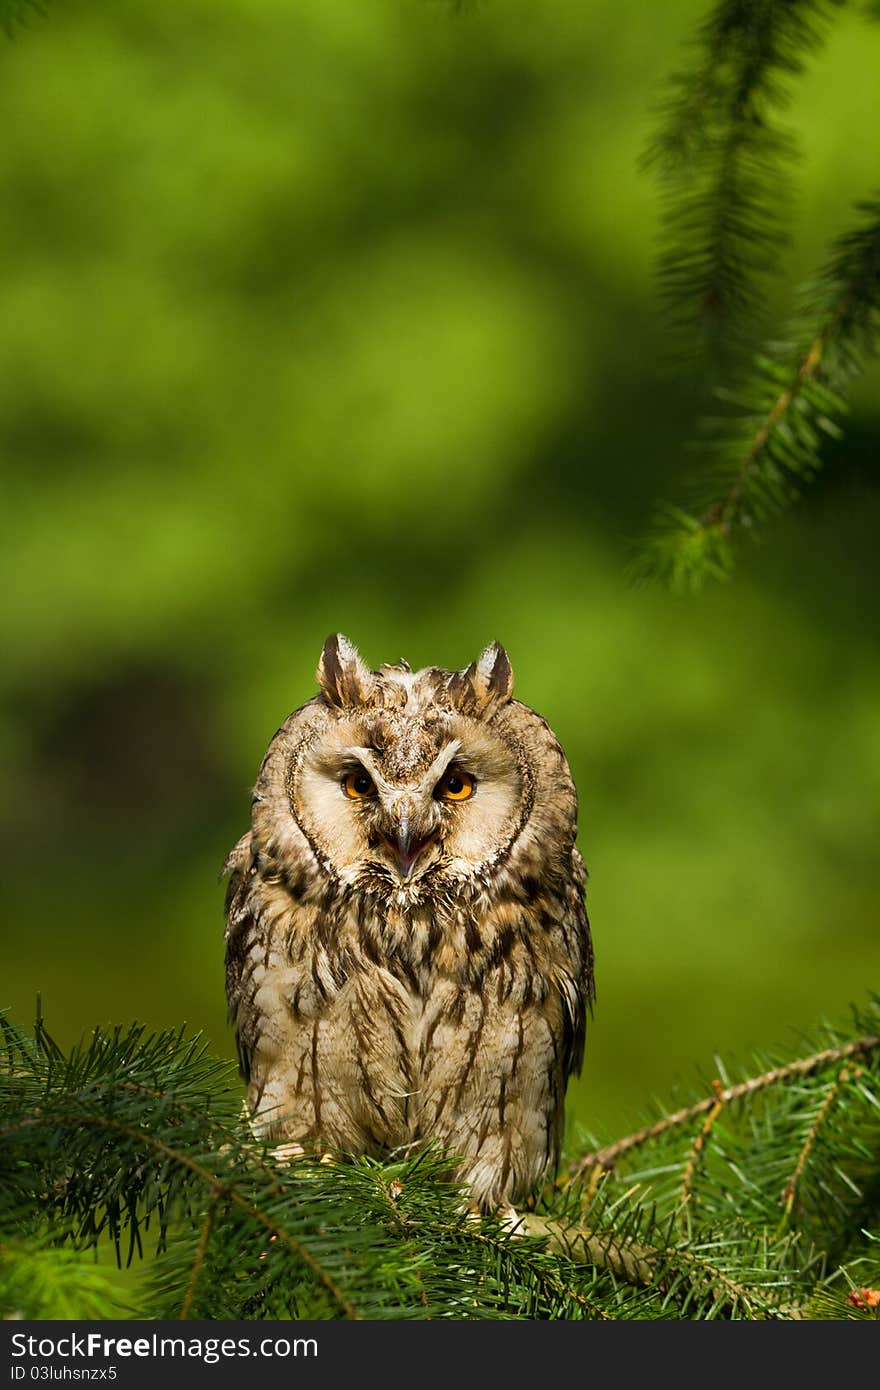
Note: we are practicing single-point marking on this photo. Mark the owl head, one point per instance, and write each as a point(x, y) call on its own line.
point(406, 784)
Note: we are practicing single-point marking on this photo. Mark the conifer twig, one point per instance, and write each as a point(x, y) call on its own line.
point(722, 1285)
point(624, 1258)
point(722, 158)
point(696, 1151)
point(199, 1260)
point(644, 1265)
point(790, 1189)
point(608, 1156)
point(216, 1185)
point(769, 441)
point(722, 512)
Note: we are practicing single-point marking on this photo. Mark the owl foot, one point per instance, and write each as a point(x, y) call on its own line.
point(286, 1153)
point(511, 1220)
point(507, 1215)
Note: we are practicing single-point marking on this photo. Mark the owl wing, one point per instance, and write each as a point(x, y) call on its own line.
point(239, 921)
point(574, 975)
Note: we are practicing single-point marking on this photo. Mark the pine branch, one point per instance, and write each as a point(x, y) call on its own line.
point(723, 161)
point(201, 1251)
point(790, 1190)
point(607, 1157)
point(778, 1191)
point(699, 1144)
point(792, 398)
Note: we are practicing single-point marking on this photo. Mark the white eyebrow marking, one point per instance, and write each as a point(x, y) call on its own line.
point(440, 764)
point(365, 756)
point(428, 781)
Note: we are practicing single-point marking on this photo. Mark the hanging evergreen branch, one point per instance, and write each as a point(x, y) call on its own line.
point(793, 397)
point(723, 160)
point(762, 1213)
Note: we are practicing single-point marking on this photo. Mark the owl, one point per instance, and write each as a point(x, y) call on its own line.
point(408, 955)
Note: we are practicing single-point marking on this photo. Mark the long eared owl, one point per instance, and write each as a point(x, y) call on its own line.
point(408, 953)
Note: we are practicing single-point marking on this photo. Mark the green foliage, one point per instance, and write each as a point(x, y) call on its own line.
point(724, 159)
point(345, 300)
point(792, 397)
point(341, 315)
point(55, 1282)
point(760, 1201)
point(725, 163)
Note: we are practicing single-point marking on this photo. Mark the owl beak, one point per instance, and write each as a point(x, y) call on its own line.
point(406, 847)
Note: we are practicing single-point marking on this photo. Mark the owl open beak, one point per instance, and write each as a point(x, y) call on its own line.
point(407, 849)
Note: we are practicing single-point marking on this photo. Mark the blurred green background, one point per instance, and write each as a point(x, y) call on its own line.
point(340, 315)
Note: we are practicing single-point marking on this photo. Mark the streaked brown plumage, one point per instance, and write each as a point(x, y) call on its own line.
point(408, 953)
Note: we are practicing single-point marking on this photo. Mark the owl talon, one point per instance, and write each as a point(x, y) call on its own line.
point(511, 1220)
point(506, 1214)
point(286, 1153)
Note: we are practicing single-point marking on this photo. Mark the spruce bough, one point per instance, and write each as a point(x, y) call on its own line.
point(725, 165)
point(758, 1200)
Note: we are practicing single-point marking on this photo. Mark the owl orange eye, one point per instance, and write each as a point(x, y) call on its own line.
point(357, 784)
point(456, 786)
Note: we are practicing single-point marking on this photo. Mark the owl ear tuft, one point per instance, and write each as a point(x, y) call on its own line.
point(494, 672)
point(483, 685)
point(343, 676)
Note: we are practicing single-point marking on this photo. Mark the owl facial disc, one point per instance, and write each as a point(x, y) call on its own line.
point(408, 782)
